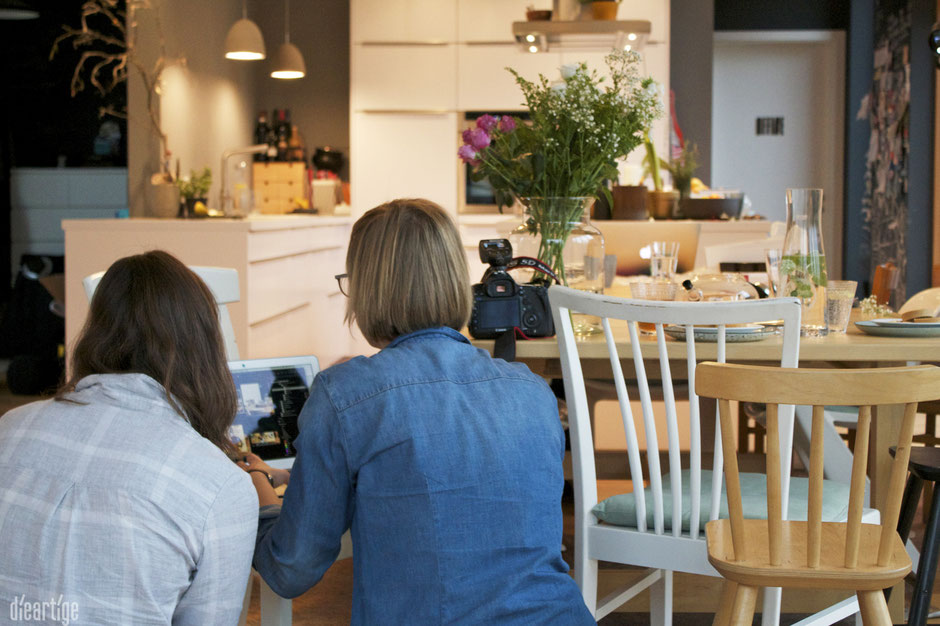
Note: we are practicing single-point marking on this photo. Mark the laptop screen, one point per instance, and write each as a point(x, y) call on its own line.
point(271, 393)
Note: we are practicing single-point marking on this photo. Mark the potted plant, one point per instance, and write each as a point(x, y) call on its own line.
point(193, 191)
point(662, 204)
point(603, 9)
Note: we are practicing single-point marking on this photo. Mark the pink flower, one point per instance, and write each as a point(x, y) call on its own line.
point(479, 139)
point(487, 123)
point(507, 124)
point(467, 154)
point(466, 135)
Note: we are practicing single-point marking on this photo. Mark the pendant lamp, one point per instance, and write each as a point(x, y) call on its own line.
point(17, 10)
point(288, 62)
point(244, 41)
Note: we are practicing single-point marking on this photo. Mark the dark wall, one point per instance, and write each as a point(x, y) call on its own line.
point(41, 117)
point(920, 183)
point(775, 15)
point(690, 74)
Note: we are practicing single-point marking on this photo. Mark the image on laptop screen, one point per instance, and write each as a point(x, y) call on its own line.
point(271, 393)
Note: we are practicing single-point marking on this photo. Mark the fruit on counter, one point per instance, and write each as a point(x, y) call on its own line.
point(201, 208)
point(697, 185)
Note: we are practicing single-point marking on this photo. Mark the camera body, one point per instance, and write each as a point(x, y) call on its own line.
point(501, 304)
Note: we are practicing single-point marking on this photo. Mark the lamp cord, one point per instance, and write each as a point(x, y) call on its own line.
point(286, 21)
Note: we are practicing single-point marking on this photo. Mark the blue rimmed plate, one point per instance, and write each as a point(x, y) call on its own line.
point(884, 328)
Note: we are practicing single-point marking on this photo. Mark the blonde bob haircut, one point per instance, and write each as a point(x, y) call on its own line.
point(407, 271)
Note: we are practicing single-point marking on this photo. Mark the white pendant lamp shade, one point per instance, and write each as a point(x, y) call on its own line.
point(17, 10)
point(288, 62)
point(244, 41)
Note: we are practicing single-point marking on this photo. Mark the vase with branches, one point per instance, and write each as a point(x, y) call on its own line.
point(109, 40)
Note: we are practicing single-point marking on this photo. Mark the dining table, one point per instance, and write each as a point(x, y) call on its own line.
point(853, 348)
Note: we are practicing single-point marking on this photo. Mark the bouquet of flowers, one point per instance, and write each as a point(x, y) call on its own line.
point(578, 128)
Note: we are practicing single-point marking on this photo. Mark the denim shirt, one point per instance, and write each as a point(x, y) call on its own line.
point(447, 466)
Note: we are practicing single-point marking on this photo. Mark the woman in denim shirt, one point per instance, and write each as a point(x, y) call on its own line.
point(444, 462)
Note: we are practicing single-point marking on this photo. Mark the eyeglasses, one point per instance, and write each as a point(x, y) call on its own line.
point(343, 281)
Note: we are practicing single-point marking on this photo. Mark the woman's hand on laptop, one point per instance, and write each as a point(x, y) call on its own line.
point(251, 461)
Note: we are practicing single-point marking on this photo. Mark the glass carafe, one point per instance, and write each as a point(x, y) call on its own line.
point(803, 266)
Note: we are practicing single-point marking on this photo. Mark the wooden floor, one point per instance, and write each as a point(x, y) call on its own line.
point(696, 597)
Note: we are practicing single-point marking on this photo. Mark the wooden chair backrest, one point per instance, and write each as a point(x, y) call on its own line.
point(565, 301)
point(863, 388)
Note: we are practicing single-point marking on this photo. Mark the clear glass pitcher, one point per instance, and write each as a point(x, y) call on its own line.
point(803, 266)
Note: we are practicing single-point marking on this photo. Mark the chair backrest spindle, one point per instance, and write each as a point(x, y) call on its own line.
point(857, 491)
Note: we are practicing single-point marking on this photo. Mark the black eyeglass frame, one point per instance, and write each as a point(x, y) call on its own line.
point(341, 280)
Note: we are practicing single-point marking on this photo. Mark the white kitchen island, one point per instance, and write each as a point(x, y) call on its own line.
point(290, 303)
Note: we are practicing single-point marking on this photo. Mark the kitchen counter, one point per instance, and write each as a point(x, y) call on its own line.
point(289, 301)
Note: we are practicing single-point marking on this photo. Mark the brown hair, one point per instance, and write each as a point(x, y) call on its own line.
point(152, 315)
point(407, 271)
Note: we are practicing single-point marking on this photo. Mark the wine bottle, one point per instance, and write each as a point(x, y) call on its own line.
point(262, 134)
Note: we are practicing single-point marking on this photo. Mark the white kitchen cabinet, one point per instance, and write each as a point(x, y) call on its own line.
point(656, 11)
point(403, 77)
point(489, 20)
point(403, 155)
point(403, 21)
point(289, 301)
point(484, 83)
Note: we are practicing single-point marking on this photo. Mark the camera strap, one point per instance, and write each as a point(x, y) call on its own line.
point(533, 264)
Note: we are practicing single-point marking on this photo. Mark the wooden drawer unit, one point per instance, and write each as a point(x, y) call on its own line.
point(276, 185)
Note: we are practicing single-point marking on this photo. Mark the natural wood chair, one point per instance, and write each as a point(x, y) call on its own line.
point(864, 558)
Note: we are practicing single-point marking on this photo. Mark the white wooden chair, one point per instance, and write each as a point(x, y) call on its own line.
point(658, 539)
point(222, 282)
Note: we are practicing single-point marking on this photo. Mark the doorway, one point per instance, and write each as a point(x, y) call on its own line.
point(778, 121)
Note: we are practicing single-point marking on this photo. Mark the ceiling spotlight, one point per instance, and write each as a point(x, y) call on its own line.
point(530, 38)
point(632, 36)
point(533, 49)
point(628, 47)
point(934, 39)
point(244, 41)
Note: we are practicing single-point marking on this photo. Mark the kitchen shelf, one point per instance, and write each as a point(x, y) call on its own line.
point(541, 36)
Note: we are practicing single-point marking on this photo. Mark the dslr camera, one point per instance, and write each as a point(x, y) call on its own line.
point(500, 304)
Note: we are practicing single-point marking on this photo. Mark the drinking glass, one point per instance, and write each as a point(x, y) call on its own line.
point(772, 260)
point(840, 295)
point(664, 258)
point(659, 290)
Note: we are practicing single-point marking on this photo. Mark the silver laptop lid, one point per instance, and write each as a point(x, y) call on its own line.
point(271, 393)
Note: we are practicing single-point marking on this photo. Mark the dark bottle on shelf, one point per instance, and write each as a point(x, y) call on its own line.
point(263, 134)
point(283, 131)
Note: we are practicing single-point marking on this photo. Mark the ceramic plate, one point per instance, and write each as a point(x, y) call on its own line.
point(900, 329)
point(733, 334)
point(896, 323)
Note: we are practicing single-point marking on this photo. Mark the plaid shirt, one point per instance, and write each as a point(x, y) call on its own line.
point(113, 510)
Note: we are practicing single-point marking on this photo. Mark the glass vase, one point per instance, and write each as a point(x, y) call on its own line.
point(803, 265)
point(558, 232)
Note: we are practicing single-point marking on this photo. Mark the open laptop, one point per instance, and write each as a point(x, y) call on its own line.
point(271, 393)
point(629, 240)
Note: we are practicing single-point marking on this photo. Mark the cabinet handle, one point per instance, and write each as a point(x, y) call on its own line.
point(406, 111)
point(427, 42)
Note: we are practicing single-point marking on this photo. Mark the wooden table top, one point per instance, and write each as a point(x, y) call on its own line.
point(854, 346)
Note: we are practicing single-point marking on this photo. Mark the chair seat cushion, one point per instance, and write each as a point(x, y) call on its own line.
point(620, 510)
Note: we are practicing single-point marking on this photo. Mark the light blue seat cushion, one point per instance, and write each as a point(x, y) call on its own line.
point(620, 510)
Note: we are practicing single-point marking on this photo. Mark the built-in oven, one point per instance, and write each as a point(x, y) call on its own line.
point(477, 196)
